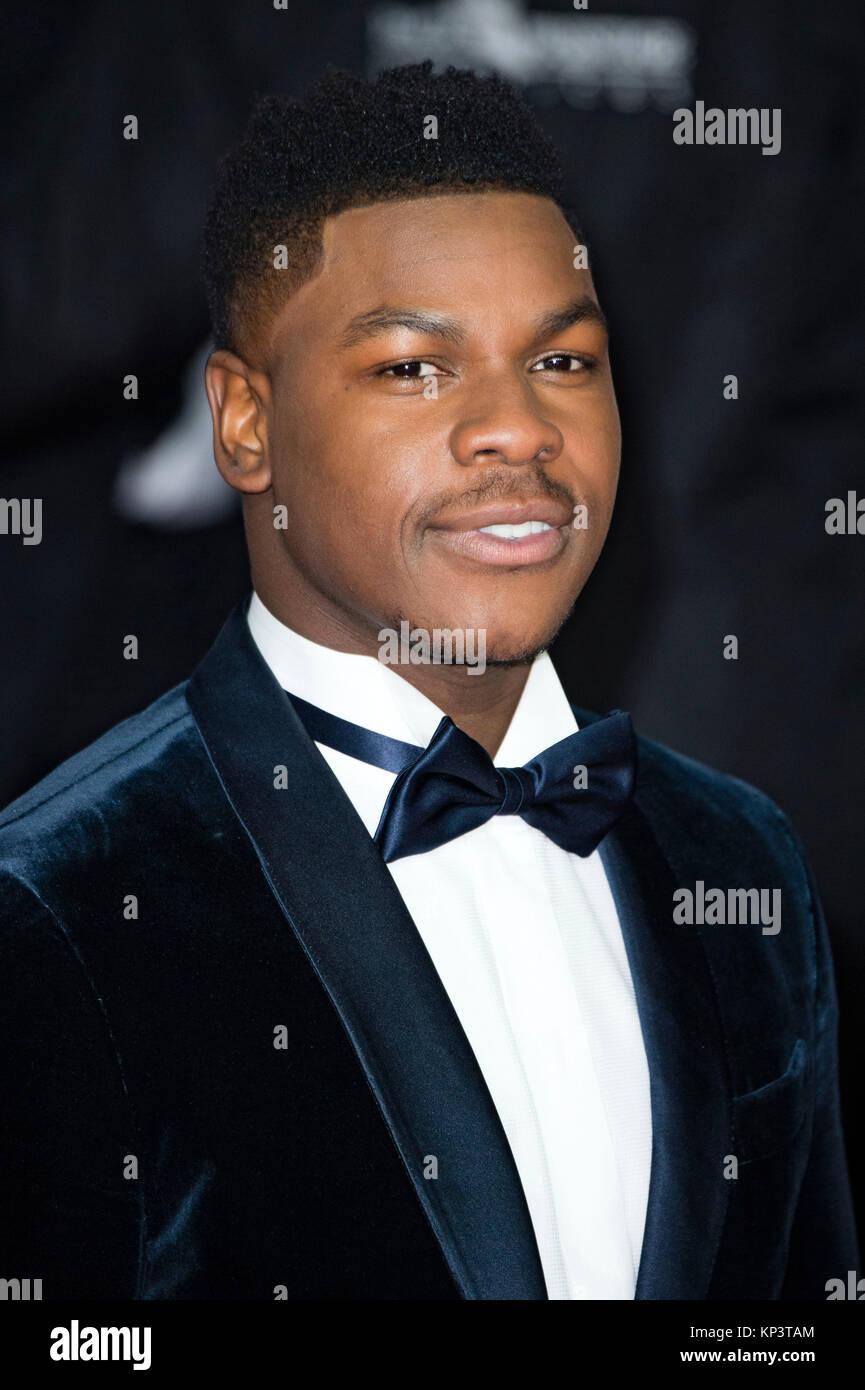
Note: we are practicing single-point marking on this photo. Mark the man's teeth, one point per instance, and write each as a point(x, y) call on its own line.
point(515, 533)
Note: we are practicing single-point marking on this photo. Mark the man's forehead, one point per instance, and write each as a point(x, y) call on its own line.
point(437, 253)
point(437, 226)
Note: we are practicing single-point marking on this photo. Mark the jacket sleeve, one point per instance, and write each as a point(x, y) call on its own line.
point(823, 1243)
point(68, 1216)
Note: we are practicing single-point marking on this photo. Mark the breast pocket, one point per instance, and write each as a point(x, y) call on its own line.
point(770, 1118)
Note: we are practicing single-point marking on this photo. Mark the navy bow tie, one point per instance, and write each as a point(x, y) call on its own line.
point(573, 791)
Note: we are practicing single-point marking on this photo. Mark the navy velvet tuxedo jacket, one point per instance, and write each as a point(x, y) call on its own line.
point(157, 1144)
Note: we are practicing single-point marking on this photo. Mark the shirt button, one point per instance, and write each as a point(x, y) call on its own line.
point(579, 1291)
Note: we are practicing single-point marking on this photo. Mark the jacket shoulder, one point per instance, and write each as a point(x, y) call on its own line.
point(665, 772)
point(90, 779)
point(699, 813)
point(692, 807)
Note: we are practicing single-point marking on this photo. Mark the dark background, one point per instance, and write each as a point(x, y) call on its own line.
point(708, 260)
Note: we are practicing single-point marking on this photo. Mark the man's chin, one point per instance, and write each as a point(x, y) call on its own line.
point(520, 649)
point(499, 644)
point(515, 656)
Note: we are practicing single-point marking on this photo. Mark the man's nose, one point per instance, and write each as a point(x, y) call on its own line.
point(502, 422)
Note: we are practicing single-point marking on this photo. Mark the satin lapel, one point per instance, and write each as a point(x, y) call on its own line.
point(680, 1021)
point(350, 920)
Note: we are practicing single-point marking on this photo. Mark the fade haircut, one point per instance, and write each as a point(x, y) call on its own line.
point(351, 142)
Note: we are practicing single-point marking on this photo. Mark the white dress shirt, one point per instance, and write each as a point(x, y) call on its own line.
point(526, 940)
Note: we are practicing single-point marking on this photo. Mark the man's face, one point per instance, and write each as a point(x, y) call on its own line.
point(395, 445)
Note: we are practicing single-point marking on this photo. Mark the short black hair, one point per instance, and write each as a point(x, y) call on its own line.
point(353, 141)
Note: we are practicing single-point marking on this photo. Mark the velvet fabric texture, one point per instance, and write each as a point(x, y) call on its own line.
point(228, 1059)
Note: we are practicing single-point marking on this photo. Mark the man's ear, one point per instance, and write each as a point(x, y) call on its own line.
point(239, 403)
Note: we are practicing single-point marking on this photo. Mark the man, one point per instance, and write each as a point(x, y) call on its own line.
point(362, 965)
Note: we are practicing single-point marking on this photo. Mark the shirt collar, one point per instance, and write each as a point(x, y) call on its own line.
point(367, 692)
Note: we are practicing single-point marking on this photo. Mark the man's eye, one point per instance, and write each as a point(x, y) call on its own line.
point(564, 362)
point(409, 370)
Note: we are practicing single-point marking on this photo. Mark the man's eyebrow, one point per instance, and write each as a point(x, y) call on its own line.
point(583, 310)
point(386, 316)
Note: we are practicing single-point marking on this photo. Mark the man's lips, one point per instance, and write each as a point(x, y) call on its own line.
point(506, 514)
point(465, 534)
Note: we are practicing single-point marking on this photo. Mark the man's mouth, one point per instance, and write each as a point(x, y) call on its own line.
point(514, 534)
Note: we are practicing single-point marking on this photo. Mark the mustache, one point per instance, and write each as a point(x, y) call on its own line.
point(499, 487)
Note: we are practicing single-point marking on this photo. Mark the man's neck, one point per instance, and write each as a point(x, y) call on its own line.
point(482, 705)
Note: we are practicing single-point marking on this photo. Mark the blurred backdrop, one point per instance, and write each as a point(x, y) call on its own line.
point(709, 261)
